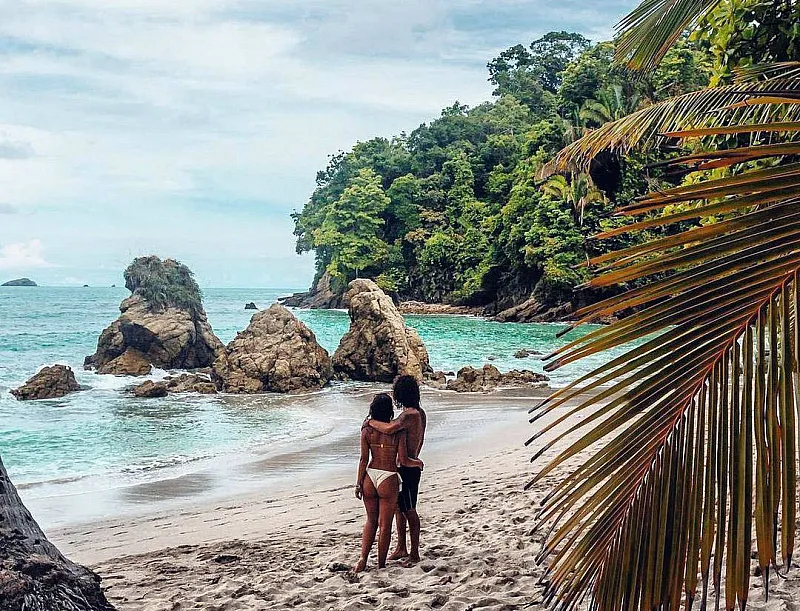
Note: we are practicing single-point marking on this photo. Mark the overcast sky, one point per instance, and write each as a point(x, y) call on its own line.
point(192, 128)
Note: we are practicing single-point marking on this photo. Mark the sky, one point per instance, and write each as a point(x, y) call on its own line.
point(191, 129)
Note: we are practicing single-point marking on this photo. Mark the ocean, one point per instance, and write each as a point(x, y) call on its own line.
point(88, 454)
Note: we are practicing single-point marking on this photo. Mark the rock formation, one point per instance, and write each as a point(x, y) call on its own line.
point(163, 321)
point(378, 347)
point(489, 377)
point(34, 575)
point(525, 353)
point(321, 296)
point(276, 353)
point(250, 306)
point(19, 282)
point(186, 382)
point(130, 363)
point(150, 390)
point(50, 383)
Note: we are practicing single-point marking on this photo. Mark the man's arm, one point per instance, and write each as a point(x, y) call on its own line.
point(390, 428)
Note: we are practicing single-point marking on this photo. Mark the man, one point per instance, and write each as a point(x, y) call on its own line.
point(413, 420)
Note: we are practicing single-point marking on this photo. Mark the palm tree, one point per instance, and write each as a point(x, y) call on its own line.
point(578, 191)
point(609, 105)
point(693, 432)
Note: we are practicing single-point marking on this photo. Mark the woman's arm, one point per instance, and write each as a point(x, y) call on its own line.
point(402, 453)
point(362, 463)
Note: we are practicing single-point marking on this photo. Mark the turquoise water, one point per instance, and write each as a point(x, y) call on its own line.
point(102, 437)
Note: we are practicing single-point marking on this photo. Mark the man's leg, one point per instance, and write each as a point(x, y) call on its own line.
point(401, 551)
point(413, 528)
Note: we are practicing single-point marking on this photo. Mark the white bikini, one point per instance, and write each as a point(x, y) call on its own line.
point(378, 476)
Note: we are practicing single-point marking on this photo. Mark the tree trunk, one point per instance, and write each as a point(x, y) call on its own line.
point(34, 575)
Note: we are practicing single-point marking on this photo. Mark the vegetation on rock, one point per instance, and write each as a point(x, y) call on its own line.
point(164, 283)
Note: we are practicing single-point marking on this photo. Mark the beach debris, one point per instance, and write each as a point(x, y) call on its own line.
point(378, 346)
point(151, 390)
point(250, 306)
point(276, 353)
point(130, 363)
point(489, 378)
point(33, 573)
point(50, 383)
point(525, 353)
point(163, 320)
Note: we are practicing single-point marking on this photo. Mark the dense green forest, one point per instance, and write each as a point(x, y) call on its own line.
point(460, 211)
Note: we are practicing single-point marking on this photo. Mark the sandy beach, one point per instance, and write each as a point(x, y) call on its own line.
point(293, 549)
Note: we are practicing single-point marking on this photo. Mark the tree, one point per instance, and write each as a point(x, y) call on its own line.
point(34, 575)
point(577, 191)
point(351, 227)
point(700, 415)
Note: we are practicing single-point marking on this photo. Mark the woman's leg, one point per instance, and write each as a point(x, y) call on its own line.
point(371, 504)
point(388, 504)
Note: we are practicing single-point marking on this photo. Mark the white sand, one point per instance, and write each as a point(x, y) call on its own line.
point(291, 551)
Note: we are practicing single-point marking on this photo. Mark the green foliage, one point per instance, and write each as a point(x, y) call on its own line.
point(163, 284)
point(454, 211)
point(351, 228)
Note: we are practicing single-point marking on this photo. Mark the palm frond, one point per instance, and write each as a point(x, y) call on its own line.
point(693, 431)
point(707, 108)
point(767, 71)
point(647, 32)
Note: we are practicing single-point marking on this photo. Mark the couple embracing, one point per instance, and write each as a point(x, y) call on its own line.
point(389, 472)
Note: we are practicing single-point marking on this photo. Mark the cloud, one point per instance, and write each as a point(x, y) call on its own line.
point(16, 150)
point(23, 255)
point(196, 122)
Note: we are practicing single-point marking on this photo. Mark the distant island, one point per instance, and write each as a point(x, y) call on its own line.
point(20, 282)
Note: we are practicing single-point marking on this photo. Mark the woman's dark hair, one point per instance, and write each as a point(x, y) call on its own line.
point(381, 408)
point(406, 391)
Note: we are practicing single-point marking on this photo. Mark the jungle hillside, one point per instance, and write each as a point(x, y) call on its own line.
point(462, 210)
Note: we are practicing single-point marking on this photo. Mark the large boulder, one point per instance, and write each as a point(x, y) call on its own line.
point(50, 383)
point(489, 378)
point(276, 353)
point(378, 346)
point(163, 321)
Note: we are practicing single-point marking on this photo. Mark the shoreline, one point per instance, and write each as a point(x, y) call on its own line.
point(291, 548)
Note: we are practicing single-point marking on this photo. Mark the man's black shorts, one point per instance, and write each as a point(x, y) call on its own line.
point(408, 495)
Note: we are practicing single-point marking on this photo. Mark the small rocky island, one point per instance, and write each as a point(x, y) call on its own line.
point(51, 382)
point(20, 282)
point(161, 324)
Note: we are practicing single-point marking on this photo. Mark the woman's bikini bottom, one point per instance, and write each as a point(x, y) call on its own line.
point(378, 476)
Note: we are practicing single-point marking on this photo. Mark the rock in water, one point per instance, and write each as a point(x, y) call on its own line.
point(470, 379)
point(320, 296)
point(149, 389)
point(276, 353)
point(34, 575)
point(19, 282)
point(50, 383)
point(163, 320)
point(378, 347)
point(250, 306)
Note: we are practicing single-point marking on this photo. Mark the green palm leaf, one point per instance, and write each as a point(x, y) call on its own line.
point(692, 433)
point(707, 108)
point(648, 32)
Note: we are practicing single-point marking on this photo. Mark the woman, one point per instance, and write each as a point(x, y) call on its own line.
point(378, 484)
